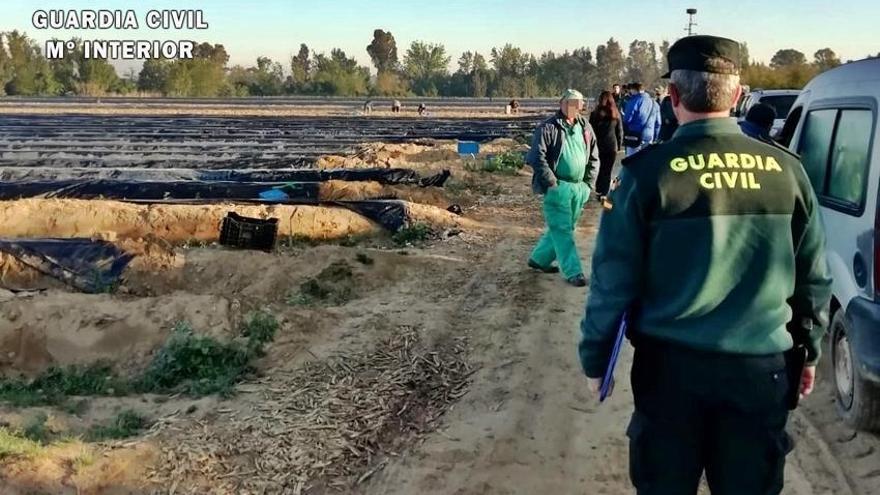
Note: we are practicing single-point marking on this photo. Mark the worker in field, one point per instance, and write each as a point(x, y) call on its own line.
point(759, 122)
point(513, 106)
point(423, 109)
point(564, 156)
point(641, 119)
point(396, 106)
point(712, 245)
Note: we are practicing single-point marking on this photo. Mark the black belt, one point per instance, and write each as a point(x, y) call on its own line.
point(652, 346)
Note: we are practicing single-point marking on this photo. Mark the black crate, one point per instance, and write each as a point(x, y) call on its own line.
point(248, 233)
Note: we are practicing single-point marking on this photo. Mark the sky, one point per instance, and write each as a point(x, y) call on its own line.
point(275, 28)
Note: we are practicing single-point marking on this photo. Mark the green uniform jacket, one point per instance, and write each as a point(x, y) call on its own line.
point(547, 145)
point(712, 241)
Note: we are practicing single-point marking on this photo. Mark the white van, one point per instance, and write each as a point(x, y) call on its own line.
point(833, 126)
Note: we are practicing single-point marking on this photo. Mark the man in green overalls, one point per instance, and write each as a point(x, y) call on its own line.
point(563, 155)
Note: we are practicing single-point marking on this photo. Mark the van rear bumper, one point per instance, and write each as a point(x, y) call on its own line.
point(864, 324)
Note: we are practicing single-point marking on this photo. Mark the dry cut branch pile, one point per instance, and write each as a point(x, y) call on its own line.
point(329, 425)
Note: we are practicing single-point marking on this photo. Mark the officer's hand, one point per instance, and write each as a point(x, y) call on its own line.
point(808, 380)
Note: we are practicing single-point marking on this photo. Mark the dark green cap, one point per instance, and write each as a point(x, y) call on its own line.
point(694, 52)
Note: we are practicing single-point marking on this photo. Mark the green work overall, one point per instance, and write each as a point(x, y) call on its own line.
point(563, 205)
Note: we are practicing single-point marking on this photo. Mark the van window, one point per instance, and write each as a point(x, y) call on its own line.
point(815, 145)
point(849, 156)
point(788, 129)
point(781, 104)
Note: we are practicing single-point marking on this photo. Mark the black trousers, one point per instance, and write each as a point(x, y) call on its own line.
point(607, 157)
point(719, 413)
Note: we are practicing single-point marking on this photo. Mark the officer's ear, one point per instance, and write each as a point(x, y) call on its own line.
point(674, 95)
point(737, 95)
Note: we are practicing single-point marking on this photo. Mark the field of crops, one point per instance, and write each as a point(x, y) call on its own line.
point(210, 142)
point(383, 340)
point(530, 103)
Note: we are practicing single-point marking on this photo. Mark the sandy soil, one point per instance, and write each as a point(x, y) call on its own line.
point(59, 329)
point(335, 190)
point(525, 425)
point(425, 155)
point(176, 224)
point(172, 223)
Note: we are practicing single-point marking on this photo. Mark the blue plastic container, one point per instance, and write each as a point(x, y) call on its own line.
point(274, 195)
point(468, 147)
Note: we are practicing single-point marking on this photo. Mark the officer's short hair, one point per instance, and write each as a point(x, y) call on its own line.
point(706, 91)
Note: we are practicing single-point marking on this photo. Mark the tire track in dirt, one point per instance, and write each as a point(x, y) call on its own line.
point(854, 457)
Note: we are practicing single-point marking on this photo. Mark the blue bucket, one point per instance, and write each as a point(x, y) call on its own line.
point(468, 147)
point(274, 195)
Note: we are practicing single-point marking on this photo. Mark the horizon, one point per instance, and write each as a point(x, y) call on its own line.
point(462, 26)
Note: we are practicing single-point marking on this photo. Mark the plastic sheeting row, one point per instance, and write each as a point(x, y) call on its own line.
point(162, 191)
point(389, 176)
point(88, 265)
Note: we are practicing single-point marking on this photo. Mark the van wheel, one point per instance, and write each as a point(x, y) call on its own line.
point(858, 400)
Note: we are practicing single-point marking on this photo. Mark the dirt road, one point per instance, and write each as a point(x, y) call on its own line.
point(529, 425)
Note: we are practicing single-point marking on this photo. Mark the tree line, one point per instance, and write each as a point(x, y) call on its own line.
point(422, 70)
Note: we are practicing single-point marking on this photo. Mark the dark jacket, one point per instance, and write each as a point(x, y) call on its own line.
point(609, 132)
point(546, 147)
point(711, 241)
point(668, 120)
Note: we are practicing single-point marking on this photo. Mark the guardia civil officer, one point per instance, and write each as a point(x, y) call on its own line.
point(712, 244)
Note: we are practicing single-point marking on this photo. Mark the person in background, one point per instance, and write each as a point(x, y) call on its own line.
point(607, 125)
point(563, 155)
point(395, 106)
point(615, 93)
point(368, 106)
point(514, 106)
point(641, 119)
point(759, 122)
point(658, 96)
point(668, 120)
point(423, 109)
point(625, 95)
